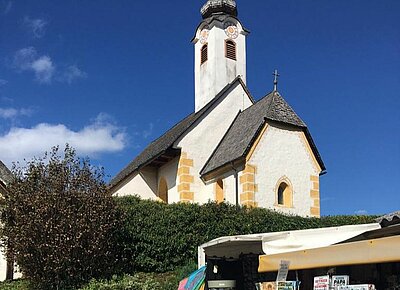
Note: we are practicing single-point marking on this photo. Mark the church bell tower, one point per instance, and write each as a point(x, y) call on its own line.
point(220, 50)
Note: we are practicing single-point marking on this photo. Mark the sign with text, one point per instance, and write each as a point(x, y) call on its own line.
point(283, 271)
point(358, 287)
point(321, 283)
point(288, 285)
point(342, 280)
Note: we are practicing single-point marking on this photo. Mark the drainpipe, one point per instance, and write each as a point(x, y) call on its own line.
point(236, 184)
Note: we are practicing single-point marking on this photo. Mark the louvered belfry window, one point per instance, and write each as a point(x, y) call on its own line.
point(204, 54)
point(230, 49)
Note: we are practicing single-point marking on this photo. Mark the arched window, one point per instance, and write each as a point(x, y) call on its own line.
point(219, 191)
point(230, 49)
point(163, 190)
point(204, 54)
point(284, 194)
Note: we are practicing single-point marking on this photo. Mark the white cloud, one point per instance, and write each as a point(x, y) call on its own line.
point(26, 59)
point(148, 132)
point(72, 73)
point(36, 26)
point(3, 82)
point(11, 113)
point(44, 69)
point(361, 212)
point(101, 136)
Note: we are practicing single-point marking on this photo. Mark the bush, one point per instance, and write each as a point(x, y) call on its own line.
point(60, 222)
point(139, 281)
point(14, 285)
point(127, 282)
point(157, 237)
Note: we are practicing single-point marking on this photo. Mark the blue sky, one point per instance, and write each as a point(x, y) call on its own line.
point(111, 76)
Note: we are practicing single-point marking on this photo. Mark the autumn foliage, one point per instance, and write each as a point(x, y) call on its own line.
point(59, 221)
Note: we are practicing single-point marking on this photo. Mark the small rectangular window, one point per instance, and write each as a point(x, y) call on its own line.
point(230, 49)
point(204, 54)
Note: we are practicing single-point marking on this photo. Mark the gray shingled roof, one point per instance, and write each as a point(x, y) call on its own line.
point(244, 130)
point(389, 219)
point(5, 174)
point(166, 141)
point(219, 6)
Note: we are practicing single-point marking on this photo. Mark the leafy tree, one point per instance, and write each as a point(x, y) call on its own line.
point(60, 221)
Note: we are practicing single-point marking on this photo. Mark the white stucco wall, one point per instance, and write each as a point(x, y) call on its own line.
point(169, 173)
point(3, 267)
point(201, 141)
point(282, 153)
point(218, 71)
point(230, 188)
point(142, 183)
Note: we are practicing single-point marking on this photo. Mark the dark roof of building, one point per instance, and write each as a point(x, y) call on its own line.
point(219, 6)
point(166, 141)
point(5, 174)
point(246, 127)
point(389, 219)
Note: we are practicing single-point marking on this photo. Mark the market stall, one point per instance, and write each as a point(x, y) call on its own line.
point(363, 255)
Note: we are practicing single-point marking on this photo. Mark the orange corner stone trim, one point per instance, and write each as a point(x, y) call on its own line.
point(250, 203)
point(315, 211)
point(249, 187)
point(185, 178)
point(186, 196)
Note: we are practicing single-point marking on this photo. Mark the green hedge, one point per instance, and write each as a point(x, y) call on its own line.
point(15, 285)
point(158, 238)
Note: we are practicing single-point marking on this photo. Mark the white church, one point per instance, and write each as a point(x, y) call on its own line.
point(231, 148)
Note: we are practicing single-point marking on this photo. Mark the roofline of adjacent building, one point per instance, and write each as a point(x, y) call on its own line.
point(201, 113)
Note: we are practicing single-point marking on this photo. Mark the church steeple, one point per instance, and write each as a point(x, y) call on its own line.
point(220, 50)
point(218, 7)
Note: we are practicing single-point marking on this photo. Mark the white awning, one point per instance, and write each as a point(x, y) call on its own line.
point(311, 239)
point(383, 250)
point(280, 242)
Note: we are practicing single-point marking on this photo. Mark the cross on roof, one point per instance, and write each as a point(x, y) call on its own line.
point(276, 76)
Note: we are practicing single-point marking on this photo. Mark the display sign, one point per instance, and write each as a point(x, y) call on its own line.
point(342, 280)
point(357, 287)
point(321, 283)
point(287, 285)
point(267, 286)
point(283, 271)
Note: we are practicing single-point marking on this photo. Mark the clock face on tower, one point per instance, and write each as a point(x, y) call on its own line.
point(204, 35)
point(231, 30)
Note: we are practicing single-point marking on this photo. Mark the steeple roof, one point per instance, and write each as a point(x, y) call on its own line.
point(219, 7)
